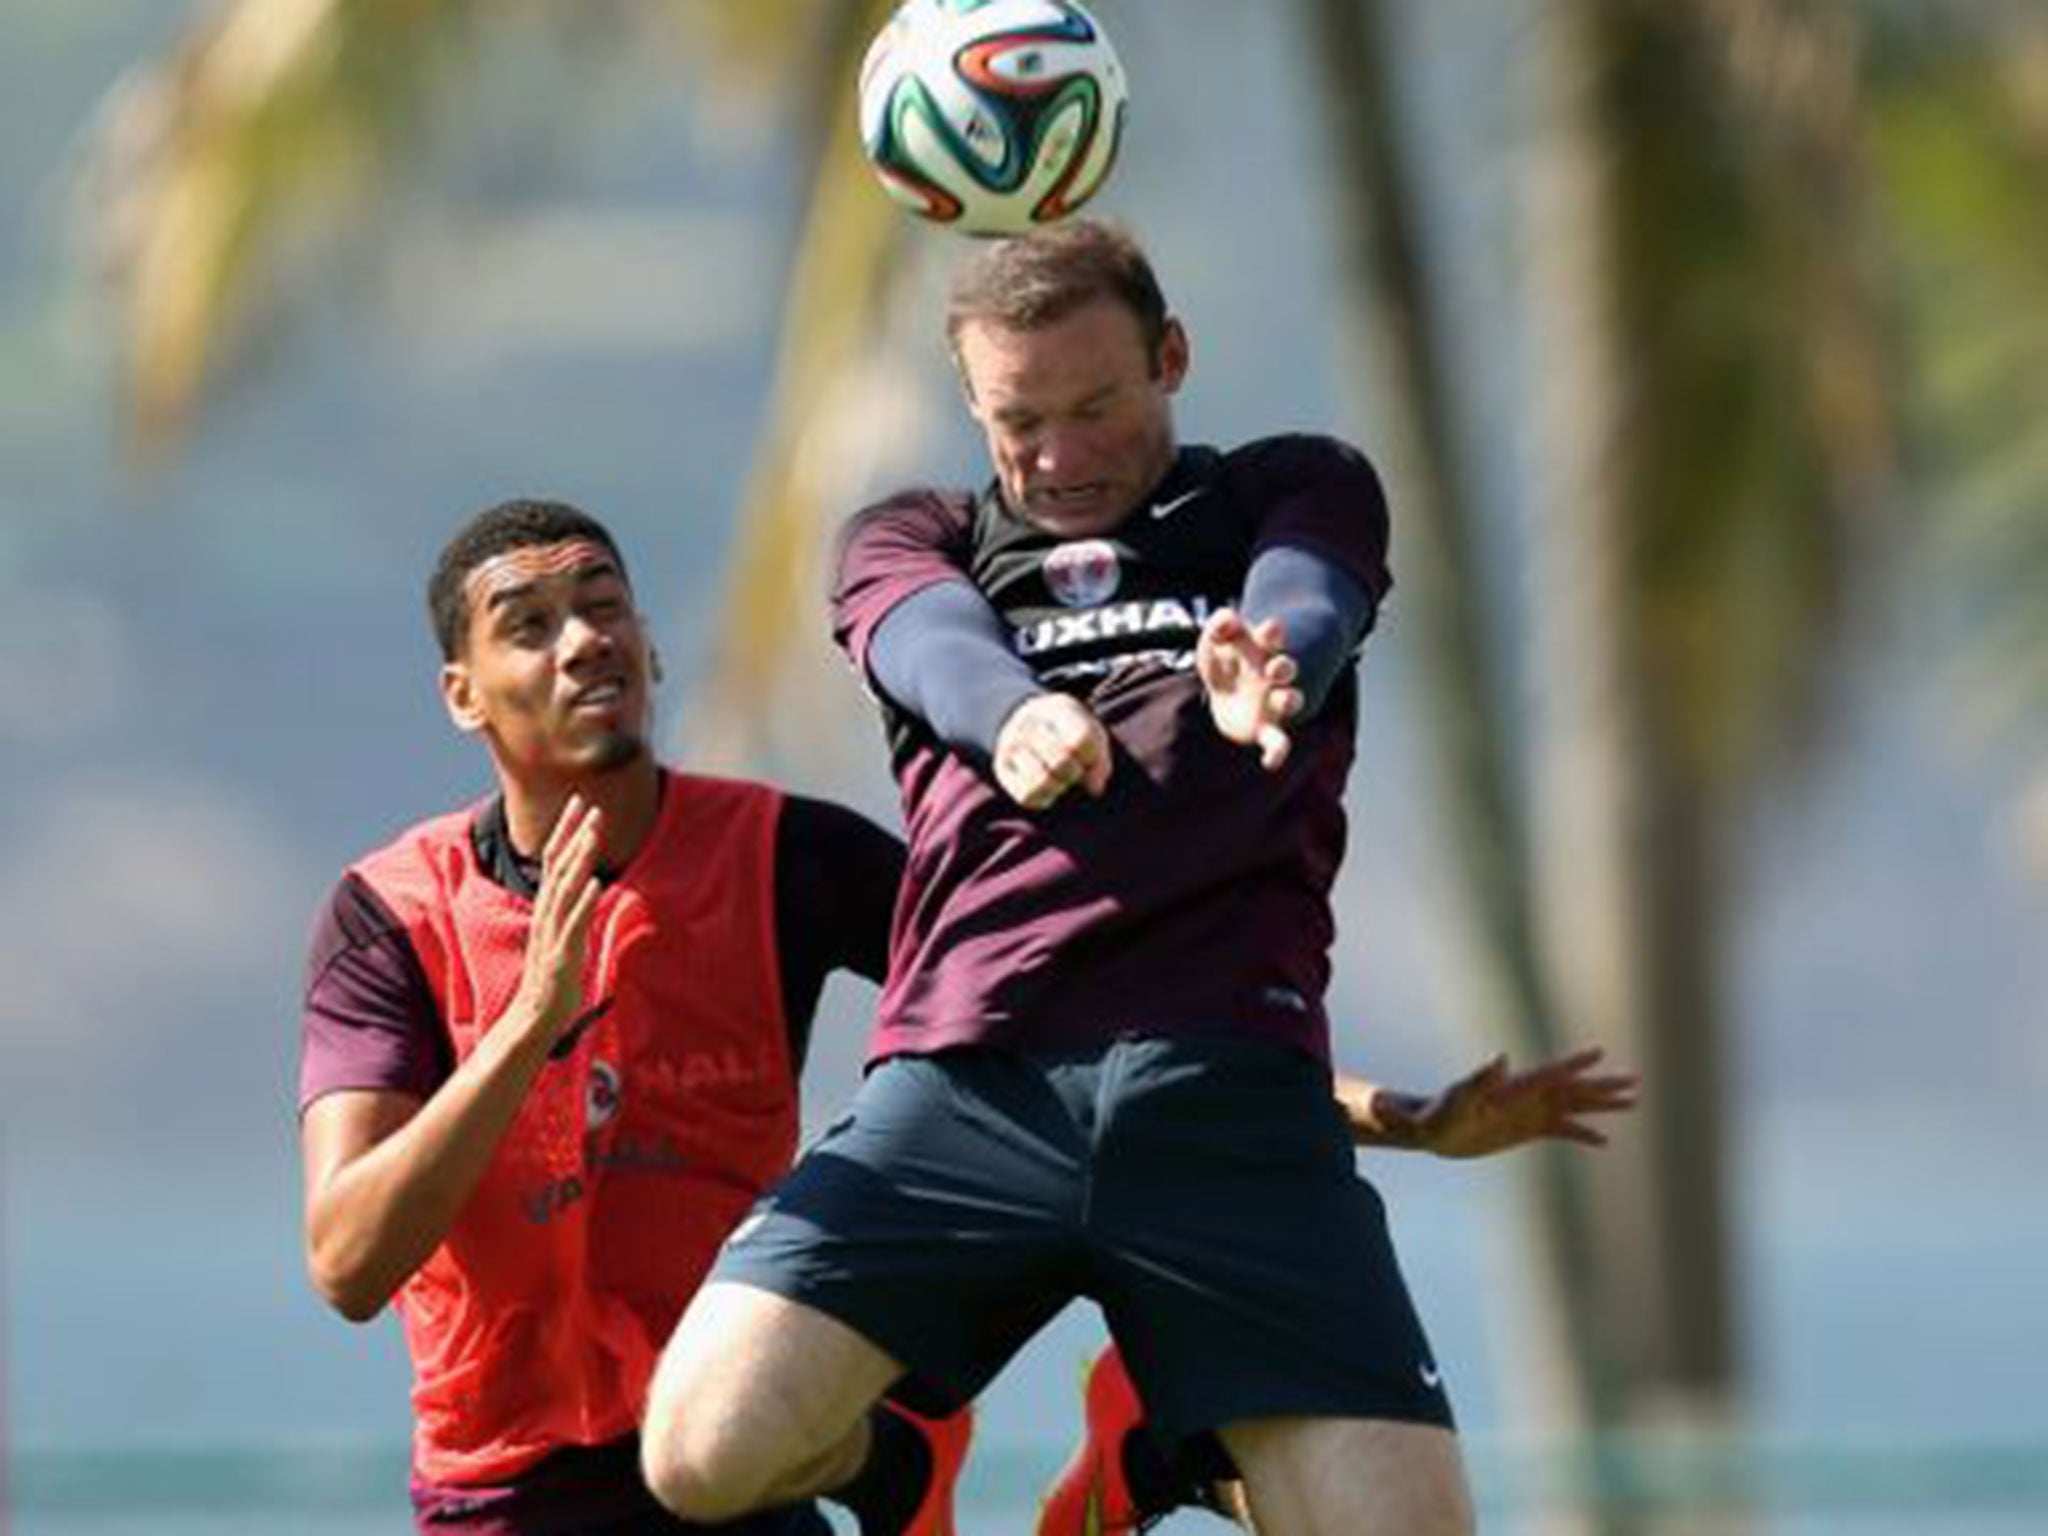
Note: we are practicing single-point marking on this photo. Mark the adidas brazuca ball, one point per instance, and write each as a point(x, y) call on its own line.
point(992, 115)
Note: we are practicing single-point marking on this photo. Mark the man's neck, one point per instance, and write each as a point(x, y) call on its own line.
point(629, 797)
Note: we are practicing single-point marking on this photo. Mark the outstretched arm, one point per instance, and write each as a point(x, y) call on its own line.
point(942, 655)
point(1492, 1109)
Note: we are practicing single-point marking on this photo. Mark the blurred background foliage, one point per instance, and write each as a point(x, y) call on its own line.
point(1783, 294)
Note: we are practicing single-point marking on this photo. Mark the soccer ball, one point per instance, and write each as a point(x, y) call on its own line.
point(991, 115)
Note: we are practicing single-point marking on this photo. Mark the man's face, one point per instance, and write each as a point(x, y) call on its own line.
point(1078, 416)
point(556, 667)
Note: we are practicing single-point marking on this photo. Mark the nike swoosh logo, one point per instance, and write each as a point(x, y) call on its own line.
point(1432, 1378)
point(1165, 509)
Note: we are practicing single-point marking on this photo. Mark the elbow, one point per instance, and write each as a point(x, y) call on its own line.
point(347, 1288)
point(357, 1308)
point(355, 1303)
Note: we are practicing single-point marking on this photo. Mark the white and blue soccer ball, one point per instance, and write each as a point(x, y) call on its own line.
point(992, 116)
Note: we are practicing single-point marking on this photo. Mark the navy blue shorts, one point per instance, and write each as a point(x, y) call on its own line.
point(1201, 1190)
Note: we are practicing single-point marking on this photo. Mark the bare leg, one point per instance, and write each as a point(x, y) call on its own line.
point(1351, 1477)
point(757, 1401)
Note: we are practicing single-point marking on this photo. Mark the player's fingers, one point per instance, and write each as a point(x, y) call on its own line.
point(571, 940)
point(576, 918)
point(1615, 1092)
point(1013, 773)
point(556, 863)
point(573, 929)
point(1011, 783)
point(577, 860)
point(1055, 749)
point(1270, 633)
point(1068, 737)
point(1564, 1070)
point(1075, 764)
point(1494, 1086)
point(1058, 749)
point(1019, 723)
point(1578, 1061)
point(1096, 777)
point(582, 842)
point(1610, 1082)
point(1218, 666)
point(1044, 791)
point(1605, 1102)
point(1047, 775)
point(1281, 669)
point(1284, 703)
point(566, 821)
point(1274, 745)
point(571, 880)
point(1464, 1090)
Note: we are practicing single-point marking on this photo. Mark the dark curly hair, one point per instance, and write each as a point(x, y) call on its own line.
point(509, 525)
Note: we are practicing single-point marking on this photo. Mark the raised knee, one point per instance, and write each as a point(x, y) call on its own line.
point(695, 1478)
point(1457, 1519)
point(1446, 1508)
point(1431, 1506)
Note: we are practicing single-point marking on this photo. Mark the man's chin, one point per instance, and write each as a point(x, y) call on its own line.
point(613, 751)
point(1078, 519)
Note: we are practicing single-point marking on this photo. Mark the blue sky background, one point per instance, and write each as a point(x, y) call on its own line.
point(216, 688)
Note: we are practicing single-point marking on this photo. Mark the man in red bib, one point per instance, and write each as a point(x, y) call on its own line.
point(551, 1053)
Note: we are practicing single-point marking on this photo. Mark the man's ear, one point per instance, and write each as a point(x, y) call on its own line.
point(1173, 354)
point(458, 693)
point(654, 664)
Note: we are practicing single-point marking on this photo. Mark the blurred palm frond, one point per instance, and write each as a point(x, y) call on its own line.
point(1758, 326)
point(266, 133)
point(221, 181)
point(1963, 135)
point(836, 301)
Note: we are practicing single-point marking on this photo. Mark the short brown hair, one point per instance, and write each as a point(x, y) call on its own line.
point(1028, 281)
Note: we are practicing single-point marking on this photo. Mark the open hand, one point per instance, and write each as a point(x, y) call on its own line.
point(1249, 678)
point(1495, 1109)
point(551, 985)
